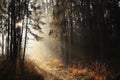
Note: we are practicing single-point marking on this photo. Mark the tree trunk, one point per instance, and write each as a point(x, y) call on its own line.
point(25, 32)
point(2, 38)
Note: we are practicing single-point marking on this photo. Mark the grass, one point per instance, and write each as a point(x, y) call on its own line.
point(56, 70)
point(94, 70)
point(18, 71)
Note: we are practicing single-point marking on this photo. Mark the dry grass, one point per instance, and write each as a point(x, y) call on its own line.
point(77, 70)
point(58, 63)
point(95, 70)
point(17, 70)
point(101, 71)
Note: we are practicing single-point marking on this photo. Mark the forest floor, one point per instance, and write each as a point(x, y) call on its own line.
point(18, 70)
point(77, 71)
point(58, 71)
point(27, 70)
point(33, 69)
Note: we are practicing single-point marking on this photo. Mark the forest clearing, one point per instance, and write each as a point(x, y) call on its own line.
point(59, 40)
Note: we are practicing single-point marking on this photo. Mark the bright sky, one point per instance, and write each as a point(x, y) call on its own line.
point(46, 1)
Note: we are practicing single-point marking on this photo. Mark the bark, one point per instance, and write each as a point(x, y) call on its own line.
point(25, 32)
point(2, 38)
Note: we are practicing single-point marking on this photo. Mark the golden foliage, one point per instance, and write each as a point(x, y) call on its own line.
point(78, 71)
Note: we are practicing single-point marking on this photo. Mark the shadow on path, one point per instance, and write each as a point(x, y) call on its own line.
point(18, 71)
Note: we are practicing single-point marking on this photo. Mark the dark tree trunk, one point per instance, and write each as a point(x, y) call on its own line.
point(2, 38)
point(25, 31)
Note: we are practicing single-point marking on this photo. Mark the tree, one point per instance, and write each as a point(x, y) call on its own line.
point(19, 13)
point(88, 27)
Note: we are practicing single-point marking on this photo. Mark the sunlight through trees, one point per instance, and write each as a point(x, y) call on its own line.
point(70, 35)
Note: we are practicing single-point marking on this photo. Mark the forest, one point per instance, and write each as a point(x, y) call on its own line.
point(59, 40)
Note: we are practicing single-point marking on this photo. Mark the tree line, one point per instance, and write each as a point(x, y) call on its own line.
point(17, 20)
point(89, 28)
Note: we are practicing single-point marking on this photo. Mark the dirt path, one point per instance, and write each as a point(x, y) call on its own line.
point(55, 70)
